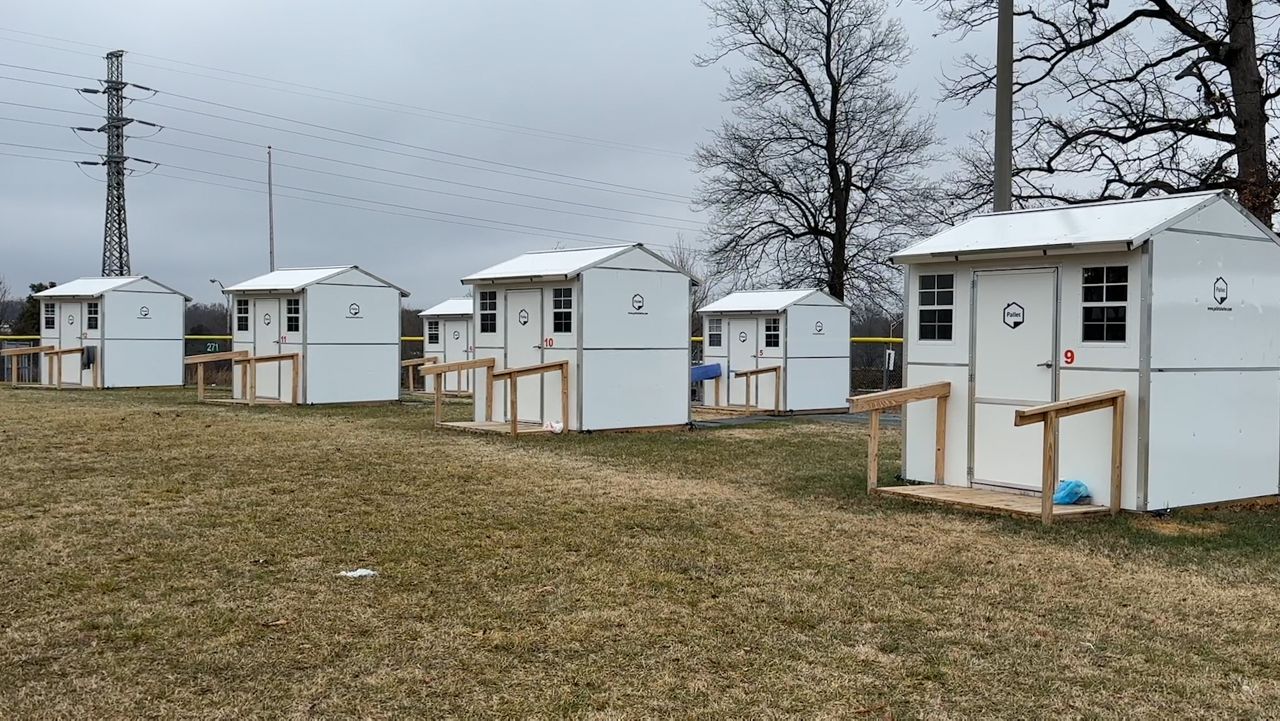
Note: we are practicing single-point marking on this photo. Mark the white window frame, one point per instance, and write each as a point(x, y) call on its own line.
point(91, 315)
point(242, 315)
point(935, 307)
point(489, 310)
point(715, 332)
point(562, 310)
point(773, 338)
point(1108, 302)
point(433, 332)
point(292, 315)
point(50, 316)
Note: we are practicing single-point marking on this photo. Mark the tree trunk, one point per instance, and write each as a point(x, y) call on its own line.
point(1252, 184)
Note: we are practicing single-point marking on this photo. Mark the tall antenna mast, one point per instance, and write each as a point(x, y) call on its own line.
point(271, 215)
point(115, 234)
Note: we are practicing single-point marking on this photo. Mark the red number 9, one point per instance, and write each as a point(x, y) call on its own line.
point(1069, 357)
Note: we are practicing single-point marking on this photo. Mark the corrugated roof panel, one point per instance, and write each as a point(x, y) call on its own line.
point(86, 287)
point(757, 301)
point(289, 279)
point(1070, 225)
point(450, 306)
point(547, 263)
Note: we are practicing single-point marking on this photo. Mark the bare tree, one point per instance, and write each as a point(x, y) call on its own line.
point(807, 184)
point(1126, 99)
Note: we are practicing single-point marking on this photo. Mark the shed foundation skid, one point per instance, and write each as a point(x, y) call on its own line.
point(617, 316)
point(316, 336)
point(119, 332)
point(1130, 345)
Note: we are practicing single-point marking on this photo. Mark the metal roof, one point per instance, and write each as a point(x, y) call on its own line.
point(90, 287)
point(761, 301)
point(292, 280)
point(555, 264)
point(450, 306)
point(1129, 222)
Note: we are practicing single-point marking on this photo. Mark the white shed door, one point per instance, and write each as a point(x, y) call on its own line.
point(268, 325)
point(744, 346)
point(1014, 367)
point(456, 348)
point(524, 348)
point(70, 329)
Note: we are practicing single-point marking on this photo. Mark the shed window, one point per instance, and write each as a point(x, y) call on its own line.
point(292, 315)
point(91, 316)
point(488, 311)
point(433, 332)
point(772, 333)
point(562, 310)
point(715, 332)
point(936, 301)
point(242, 314)
point(1104, 292)
point(50, 316)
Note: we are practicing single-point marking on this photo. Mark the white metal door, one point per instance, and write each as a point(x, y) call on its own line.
point(266, 341)
point(455, 349)
point(744, 347)
point(524, 348)
point(1015, 321)
point(70, 330)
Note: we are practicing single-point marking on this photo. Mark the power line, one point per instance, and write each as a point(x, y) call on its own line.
point(418, 188)
point(490, 224)
point(673, 197)
point(392, 171)
point(351, 98)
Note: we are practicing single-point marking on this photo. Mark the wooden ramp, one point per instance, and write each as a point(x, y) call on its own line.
point(993, 501)
point(493, 427)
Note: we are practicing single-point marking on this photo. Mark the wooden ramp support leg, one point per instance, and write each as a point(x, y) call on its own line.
point(940, 441)
point(1049, 470)
point(1117, 452)
point(873, 451)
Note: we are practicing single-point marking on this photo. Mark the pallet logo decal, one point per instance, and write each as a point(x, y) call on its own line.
point(1014, 315)
point(637, 305)
point(523, 317)
point(818, 328)
point(353, 310)
point(1220, 295)
point(144, 312)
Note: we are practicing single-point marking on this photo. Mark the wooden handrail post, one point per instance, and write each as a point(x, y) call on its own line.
point(199, 381)
point(439, 400)
point(940, 440)
point(297, 378)
point(1049, 468)
point(564, 395)
point(1117, 453)
point(513, 383)
point(488, 396)
point(873, 451)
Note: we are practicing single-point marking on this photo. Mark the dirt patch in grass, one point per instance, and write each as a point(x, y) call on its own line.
point(153, 546)
point(1181, 527)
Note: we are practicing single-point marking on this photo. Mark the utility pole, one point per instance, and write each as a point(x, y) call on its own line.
point(115, 234)
point(1004, 108)
point(271, 215)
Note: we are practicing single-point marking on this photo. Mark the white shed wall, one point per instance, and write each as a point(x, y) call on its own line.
point(141, 349)
point(818, 357)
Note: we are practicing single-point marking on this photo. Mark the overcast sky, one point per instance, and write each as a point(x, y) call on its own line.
point(618, 77)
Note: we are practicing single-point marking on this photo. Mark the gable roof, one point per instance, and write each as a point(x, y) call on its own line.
point(762, 301)
point(450, 306)
point(90, 287)
point(1121, 223)
point(556, 264)
point(292, 280)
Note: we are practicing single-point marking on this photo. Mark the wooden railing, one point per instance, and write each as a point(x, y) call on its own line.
point(56, 370)
point(438, 371)
point(884, 400)
point(412, 365)
point(513, 375)
point(249, 373)
point(199, 362)
point(14, 353)
point(753, 374)
point(1049, 414)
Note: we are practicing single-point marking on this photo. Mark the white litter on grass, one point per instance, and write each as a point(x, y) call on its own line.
point(359, 573)
point(553, 426)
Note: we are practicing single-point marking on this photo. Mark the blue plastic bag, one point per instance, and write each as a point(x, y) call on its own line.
point(1070, 492)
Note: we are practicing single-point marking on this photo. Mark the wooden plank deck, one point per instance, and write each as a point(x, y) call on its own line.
point(493, 427)
point(993, 501)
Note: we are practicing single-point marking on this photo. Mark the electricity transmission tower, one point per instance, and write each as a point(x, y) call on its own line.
point(115, 230)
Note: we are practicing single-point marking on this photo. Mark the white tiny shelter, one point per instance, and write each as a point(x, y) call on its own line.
point(618, 314)
point(1174, 300)
point(129, 327)
point(343, 322)
point(446, 334)
point(803, 332)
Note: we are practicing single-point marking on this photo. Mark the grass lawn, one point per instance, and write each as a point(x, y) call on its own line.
point(163, 558)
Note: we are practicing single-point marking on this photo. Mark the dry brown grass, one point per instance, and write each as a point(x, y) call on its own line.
point(168, 559)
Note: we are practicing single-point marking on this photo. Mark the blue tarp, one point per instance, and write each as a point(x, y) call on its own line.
point(705, 372)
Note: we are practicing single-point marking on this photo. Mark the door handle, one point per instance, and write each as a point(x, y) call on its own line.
point(1046, 364)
